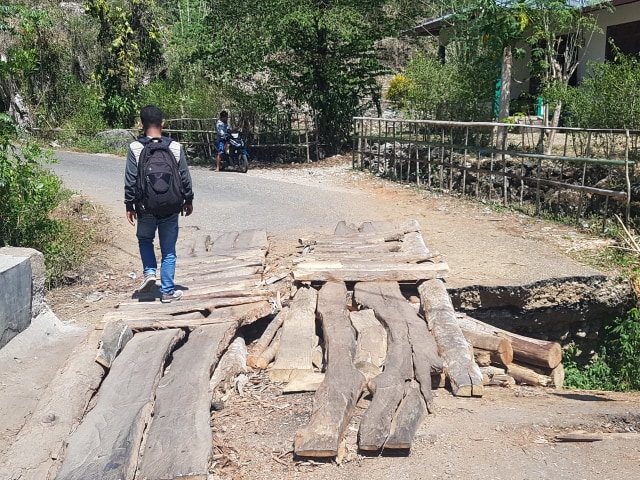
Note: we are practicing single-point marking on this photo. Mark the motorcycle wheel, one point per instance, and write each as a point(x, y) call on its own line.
point(244, 163)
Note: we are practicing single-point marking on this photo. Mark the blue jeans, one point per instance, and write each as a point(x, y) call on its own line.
point(168, 235)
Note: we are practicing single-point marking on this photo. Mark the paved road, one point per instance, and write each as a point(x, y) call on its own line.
point(224, 201)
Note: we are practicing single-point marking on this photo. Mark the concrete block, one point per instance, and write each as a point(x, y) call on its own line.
point(15, 296)
point(38, 276)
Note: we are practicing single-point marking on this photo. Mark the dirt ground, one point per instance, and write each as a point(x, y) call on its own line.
point(509, 433)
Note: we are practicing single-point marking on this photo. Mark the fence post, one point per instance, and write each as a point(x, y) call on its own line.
point(628, 179)
point(504, 166)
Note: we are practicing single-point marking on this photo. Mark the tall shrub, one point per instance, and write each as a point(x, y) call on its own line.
point(456, 90)
point(608, 98)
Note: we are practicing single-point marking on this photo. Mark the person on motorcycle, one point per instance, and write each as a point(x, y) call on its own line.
point(223, 130)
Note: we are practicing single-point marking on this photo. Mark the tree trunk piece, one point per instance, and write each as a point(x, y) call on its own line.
point(542, 353)
point(336, 398)
point(464, 375)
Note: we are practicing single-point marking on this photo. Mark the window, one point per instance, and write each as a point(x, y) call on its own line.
point(626, 36)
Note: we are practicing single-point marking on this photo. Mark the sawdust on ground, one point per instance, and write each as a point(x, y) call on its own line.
point(510, 433)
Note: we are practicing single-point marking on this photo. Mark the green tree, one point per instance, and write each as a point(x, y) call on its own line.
point(320, 53)
point(120, 72)
point(559, 28)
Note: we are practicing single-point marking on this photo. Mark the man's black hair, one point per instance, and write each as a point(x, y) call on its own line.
point(224, 113)
point(151, 116)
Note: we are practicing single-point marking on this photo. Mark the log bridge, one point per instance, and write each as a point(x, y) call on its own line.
point(389, 335)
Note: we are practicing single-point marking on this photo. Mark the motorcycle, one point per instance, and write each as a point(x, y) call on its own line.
point(235, 154)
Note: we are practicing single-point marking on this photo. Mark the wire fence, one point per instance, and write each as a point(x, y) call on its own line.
point(567, 171)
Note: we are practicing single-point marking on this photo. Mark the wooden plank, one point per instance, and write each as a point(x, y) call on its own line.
point(461, 369)
point(204, 278)
point(298, 337)
point(242, 314)
point(376, 257)
point(187, 305)
point(27, 365)
point(533, 351)
point(114, 337)
point(362, 271)
point(405, 424)
point(308, 382)
point(106, 444)
point(265, 339)
point(179, 440)
point(376, 227)
point(224, 242)
point(251, 239)
point(209, 268)
point(388, 387)
point(221, 257)
point(37, 450)
point(335, 400)
point(371, 346)
point(342, 228)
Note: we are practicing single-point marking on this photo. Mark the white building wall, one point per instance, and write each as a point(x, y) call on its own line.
point(595, 49)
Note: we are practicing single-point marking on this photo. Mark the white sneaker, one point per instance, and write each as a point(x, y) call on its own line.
point(148, 282)
point(174, 297)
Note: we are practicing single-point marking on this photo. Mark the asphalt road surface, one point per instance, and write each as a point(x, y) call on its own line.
point(224, 201)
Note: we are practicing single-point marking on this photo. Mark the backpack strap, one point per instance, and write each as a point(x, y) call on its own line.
point(138, 145)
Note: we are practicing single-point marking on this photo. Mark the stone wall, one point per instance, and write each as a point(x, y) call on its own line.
point(22, 290)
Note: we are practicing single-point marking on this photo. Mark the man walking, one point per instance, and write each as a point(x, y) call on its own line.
point(155, 194)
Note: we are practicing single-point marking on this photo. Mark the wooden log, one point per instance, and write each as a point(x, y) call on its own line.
point(424, 350)
point(499, 348)
point(267, 336)
point(298, 337)
point(114, 337)
point(537, 377)
point(37, 450)
point(179, 440)
point(496, 376)
point(411, 412)
point(482, 357)
point(363, 271)
point(336, 398)
point(266, 357)
point(106, 444)
point(241, 314)
point(388, 387)
point(463, 373)
point(528, 350)
point(233, 362)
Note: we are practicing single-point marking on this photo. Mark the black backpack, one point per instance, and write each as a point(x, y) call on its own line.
point(159, 186)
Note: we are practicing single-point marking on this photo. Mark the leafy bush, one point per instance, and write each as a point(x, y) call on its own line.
point(399, 89)
point(455, 90)
point(29, 194)
point(603, 100)
point(617, 364)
